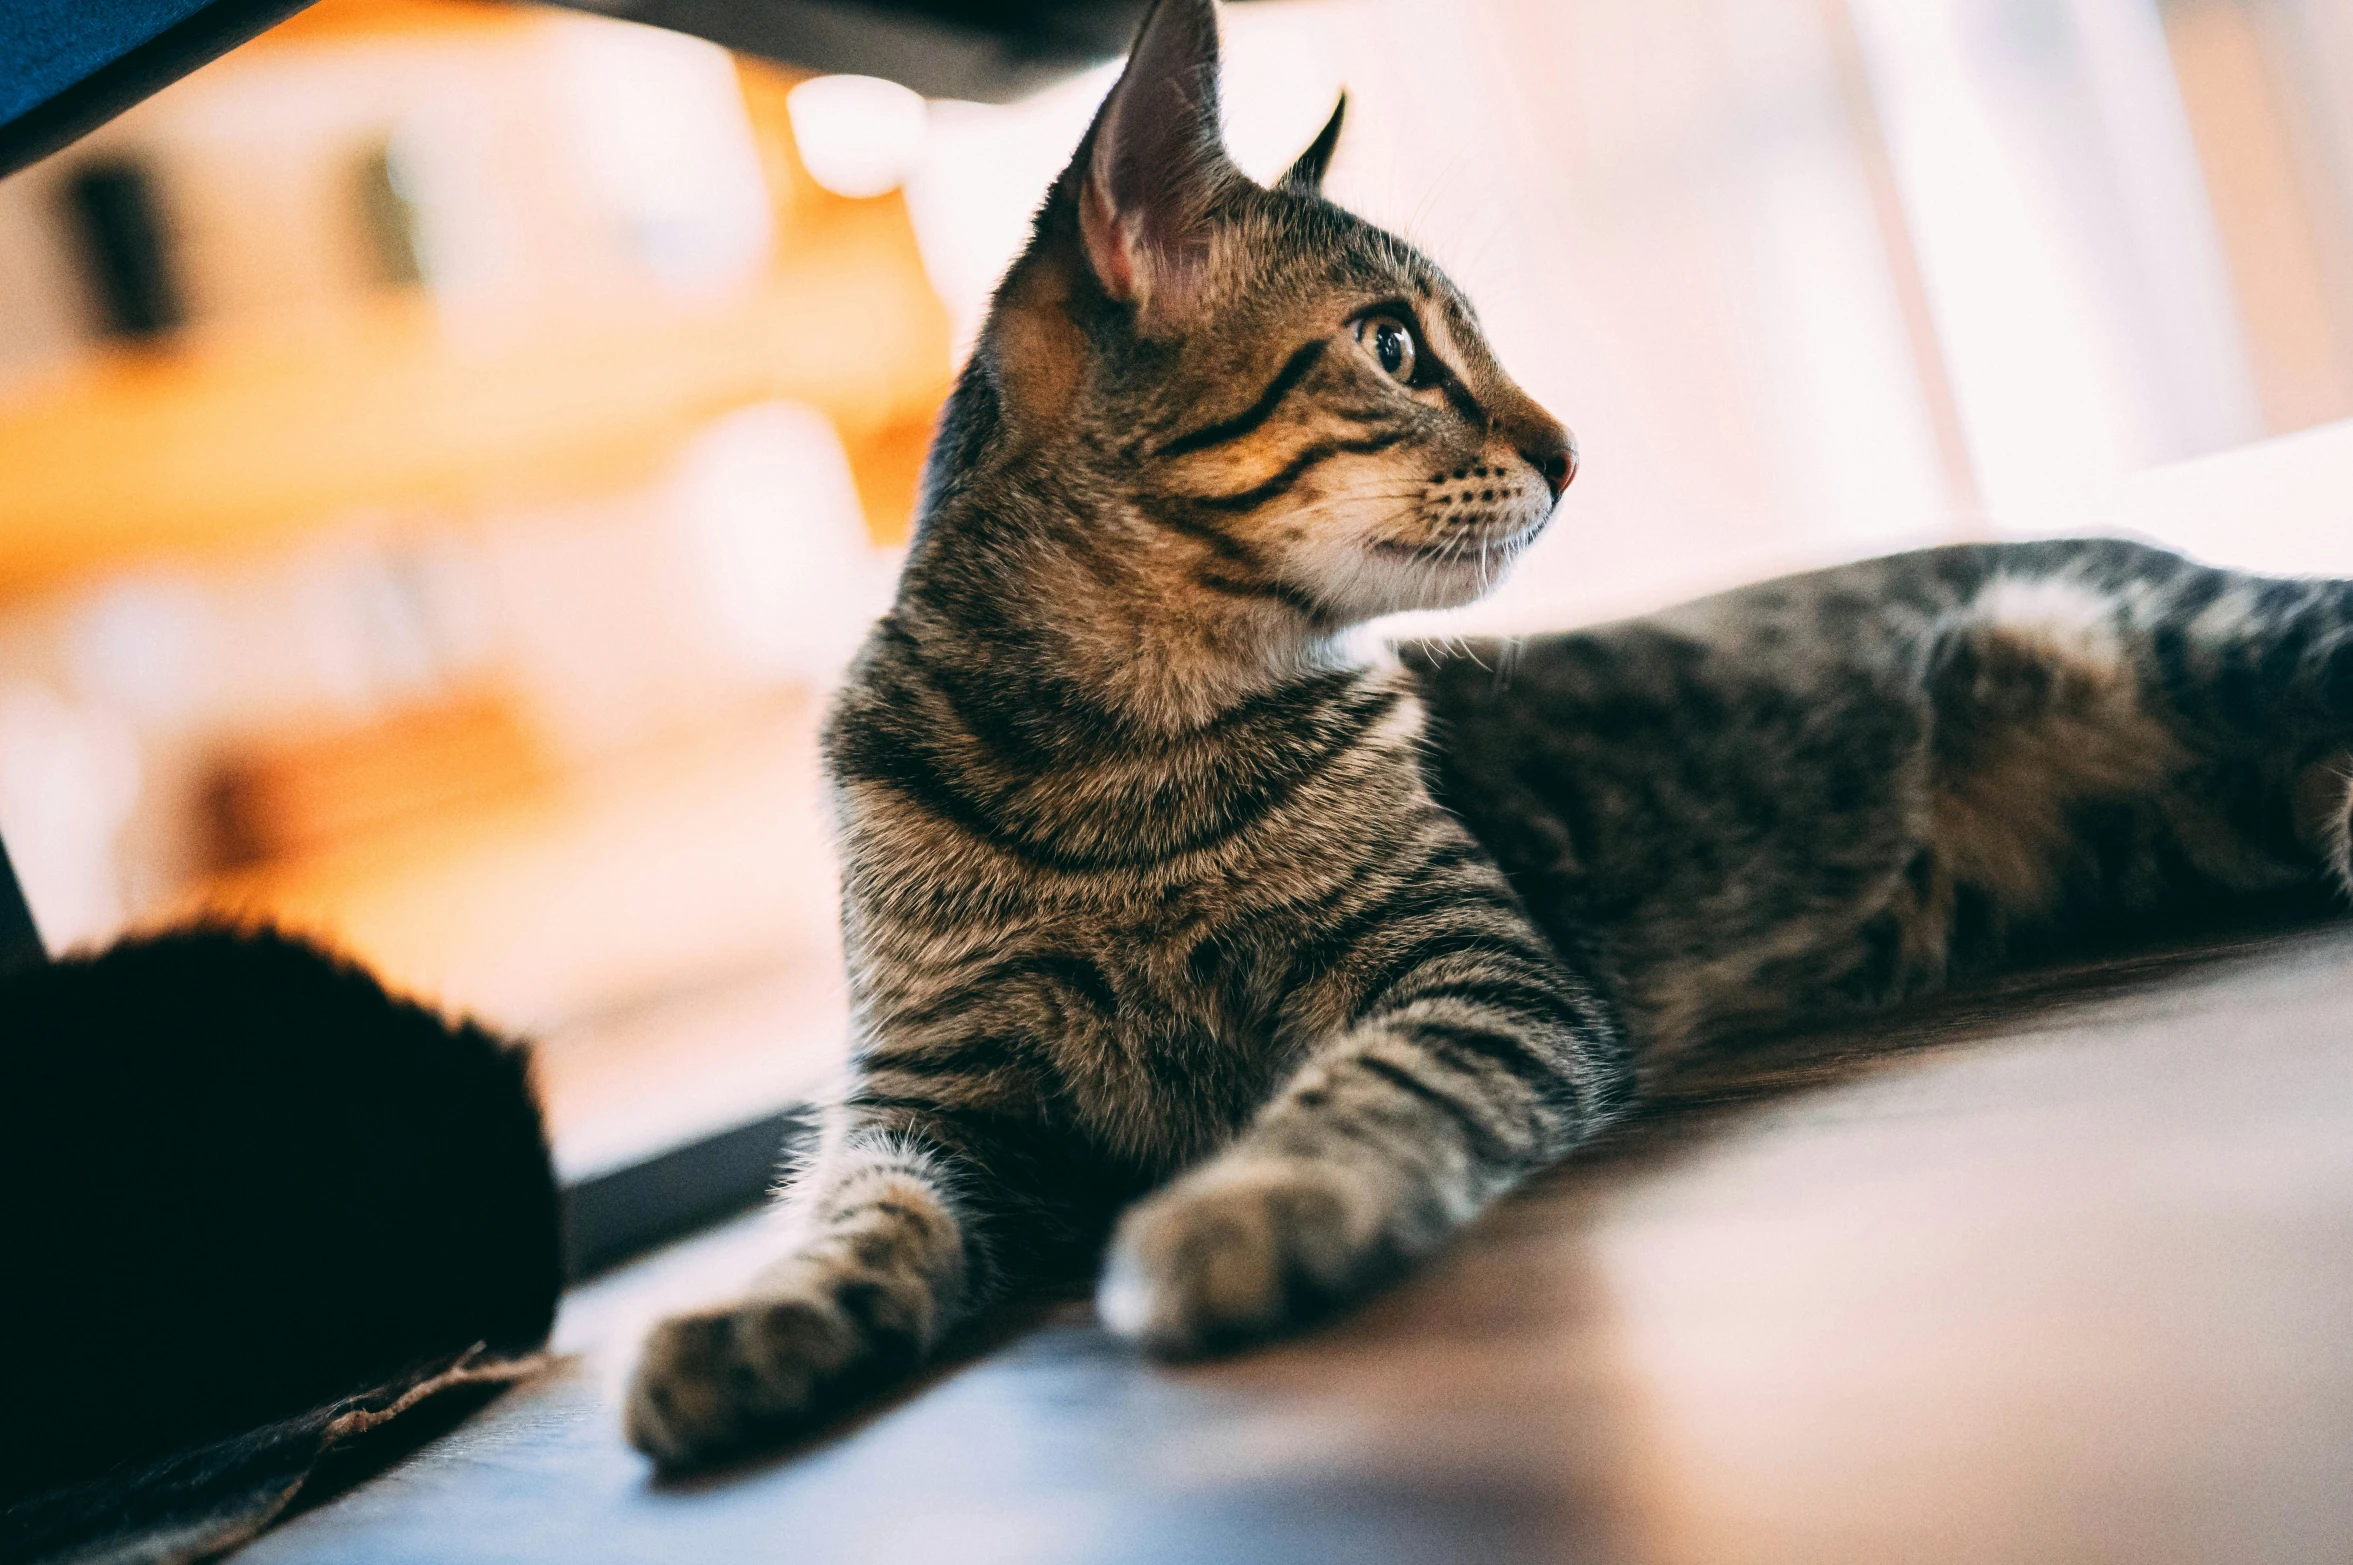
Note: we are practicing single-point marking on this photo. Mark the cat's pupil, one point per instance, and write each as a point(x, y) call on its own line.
point(1393, 348)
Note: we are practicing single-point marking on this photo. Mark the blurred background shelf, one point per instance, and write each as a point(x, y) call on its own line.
point(209, 445)
point(345, 376)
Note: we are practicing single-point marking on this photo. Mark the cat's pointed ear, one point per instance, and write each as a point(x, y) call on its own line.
point(1154, 163)
point(1306, 177)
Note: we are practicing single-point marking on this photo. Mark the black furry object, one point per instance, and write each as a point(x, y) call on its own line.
point(240, 1181)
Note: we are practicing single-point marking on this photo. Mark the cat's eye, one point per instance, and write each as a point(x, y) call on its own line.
point(1391, 343)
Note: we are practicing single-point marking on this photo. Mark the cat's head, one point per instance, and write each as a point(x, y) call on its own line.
point(1272, 401)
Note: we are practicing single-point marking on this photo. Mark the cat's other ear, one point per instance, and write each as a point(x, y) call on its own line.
point(1155, 162)
point(1306, 177)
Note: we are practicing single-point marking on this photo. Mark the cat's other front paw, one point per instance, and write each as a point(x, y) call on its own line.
point(720, 1383)
point(1230, 1255)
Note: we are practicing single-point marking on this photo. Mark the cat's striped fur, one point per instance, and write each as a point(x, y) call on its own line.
point(1836, 791)
point(1158, 904)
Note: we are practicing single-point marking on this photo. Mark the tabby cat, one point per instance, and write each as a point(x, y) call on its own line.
point(1159, 903)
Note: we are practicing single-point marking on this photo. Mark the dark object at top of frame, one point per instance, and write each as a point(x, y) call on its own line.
point(68, 66)
point(989, 50)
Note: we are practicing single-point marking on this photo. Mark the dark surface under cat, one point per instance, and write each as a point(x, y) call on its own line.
point(2057, 1271)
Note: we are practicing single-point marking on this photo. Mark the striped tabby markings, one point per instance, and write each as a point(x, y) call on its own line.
point(918, 777)
point(1295, 369)
point(1488, 1143)
point(1288, 475)
point(1241, 573)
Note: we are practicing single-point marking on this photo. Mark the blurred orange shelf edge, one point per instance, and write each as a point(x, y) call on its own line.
point(209, 444)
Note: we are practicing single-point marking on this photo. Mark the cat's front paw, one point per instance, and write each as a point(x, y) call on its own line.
point(719, 1383)
point(1233, 1254)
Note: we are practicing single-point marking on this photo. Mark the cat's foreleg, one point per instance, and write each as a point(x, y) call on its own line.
point(884, 1259)
point(1483, 1061)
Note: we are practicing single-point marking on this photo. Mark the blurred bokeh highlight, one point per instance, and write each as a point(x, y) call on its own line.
point(447, 449)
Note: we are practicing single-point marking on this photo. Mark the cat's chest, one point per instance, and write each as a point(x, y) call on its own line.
point(1154, 991)
point(1210, 948)
point(1185, 881)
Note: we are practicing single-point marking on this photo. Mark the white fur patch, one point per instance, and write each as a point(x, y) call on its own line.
point(2076, 732)
point(2228, 617)
point(2075, 621)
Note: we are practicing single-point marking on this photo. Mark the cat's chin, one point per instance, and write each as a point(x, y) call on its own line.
point(1397, 577)
point(1383, 586)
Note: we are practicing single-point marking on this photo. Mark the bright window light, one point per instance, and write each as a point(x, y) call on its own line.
point(859, 135)
point(661, 135)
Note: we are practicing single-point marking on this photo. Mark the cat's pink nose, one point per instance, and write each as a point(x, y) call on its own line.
point(1557, 462)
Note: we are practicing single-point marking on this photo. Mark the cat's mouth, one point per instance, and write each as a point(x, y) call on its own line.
point(1464, 546)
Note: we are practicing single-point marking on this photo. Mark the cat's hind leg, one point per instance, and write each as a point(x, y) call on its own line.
point(2121, 730)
